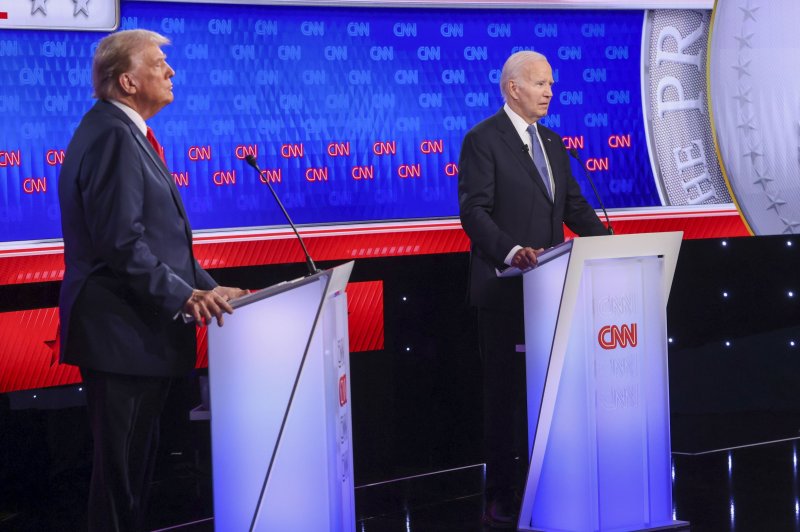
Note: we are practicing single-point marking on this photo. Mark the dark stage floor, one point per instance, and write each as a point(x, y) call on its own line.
point(749, 488)
point(733, 396)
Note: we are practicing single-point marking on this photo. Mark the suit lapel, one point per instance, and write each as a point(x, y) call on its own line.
point(145, 145)
point(150, 152)
point(162, 170)
point(512, 141)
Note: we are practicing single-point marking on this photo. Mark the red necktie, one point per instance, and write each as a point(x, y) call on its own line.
point(151, 137)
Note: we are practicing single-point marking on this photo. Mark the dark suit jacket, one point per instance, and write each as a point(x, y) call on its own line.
point(503, 203)
point(129, 266)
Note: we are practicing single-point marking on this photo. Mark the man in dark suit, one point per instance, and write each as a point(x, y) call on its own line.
point(515, 192)
point(130, 273)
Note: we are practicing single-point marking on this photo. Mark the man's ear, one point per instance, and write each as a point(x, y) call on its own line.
point(511, 89)
point(127, 83)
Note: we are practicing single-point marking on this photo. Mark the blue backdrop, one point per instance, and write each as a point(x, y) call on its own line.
point(354, 114)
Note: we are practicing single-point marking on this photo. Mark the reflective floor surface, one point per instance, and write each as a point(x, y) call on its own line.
point(734, 371)
point(750, 488)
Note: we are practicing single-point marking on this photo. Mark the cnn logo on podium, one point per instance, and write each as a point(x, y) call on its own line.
point(613, 336)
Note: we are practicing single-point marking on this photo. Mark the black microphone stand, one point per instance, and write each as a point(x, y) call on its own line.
point(577, 157)
point(312, 268)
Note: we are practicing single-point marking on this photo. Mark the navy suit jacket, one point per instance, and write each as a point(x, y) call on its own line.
point(129, 266)
point(503, 203)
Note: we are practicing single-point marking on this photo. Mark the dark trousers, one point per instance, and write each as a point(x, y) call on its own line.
point(124, 413)
point(504, 403)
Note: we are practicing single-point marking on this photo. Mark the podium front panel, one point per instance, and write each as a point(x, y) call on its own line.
point(598, 400)
point(630, 390)
point(257, 356)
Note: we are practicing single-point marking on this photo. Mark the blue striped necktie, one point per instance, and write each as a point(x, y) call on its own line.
point(539, 160)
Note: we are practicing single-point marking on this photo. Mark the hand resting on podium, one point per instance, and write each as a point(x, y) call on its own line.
point(523, 260)
point(526, 258)
point(204, 305)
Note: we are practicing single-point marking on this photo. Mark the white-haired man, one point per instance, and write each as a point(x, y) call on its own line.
point(515, 192)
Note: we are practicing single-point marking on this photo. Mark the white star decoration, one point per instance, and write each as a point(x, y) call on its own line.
point(763, 181)
point(791, 226)
point(746, 123)
point(753, 154)
point(774, 201)
point(763, 178)
point(744, 40)
point(81, 7)
point(39, 5)
point(743, 97)
point(748, 12)
point(741, 68)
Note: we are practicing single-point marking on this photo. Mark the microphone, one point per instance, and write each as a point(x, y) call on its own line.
point(577, 157)
point(312, 268)
point(525, 148)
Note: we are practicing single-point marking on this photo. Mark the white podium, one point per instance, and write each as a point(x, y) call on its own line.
point(279, 382)
point(598, 397)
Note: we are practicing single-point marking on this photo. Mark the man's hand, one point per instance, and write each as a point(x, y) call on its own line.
point(526, 258)
point(203, 305)
point(229, 292)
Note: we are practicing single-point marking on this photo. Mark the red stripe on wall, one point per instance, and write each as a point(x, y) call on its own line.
point(29, 340)
point(229, 250)
point(27, 357)
point(365, 316)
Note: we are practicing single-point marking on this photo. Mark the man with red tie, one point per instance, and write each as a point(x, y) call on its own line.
point(130, 273)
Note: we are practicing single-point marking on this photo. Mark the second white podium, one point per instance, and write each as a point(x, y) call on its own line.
point(598, 389)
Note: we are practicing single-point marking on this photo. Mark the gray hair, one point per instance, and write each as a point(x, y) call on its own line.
point(114, 56)
point(513, 66)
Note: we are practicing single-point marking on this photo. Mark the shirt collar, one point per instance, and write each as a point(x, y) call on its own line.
point(519, 123)
point(135, 117)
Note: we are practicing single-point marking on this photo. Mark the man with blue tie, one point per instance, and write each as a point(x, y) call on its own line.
point(515, 193)
point(130, 273)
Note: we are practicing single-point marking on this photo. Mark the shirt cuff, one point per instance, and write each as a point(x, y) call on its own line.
point(511, 255)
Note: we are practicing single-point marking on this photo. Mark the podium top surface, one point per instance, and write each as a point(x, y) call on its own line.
point(339, 276)
point(606, 247)
point(545, 257)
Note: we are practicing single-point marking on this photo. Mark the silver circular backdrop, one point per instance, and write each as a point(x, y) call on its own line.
point(754, 90)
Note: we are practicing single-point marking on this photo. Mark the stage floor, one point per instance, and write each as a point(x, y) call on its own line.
point(751, 488)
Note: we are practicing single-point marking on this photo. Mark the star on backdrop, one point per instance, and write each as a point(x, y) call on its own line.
point(81, 7)
point(749, 11)
point(39, 5)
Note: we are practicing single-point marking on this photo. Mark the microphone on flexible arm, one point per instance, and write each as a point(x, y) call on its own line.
point(577, 157)
point(312, 268)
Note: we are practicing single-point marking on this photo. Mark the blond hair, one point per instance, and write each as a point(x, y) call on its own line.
point(114, 56)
